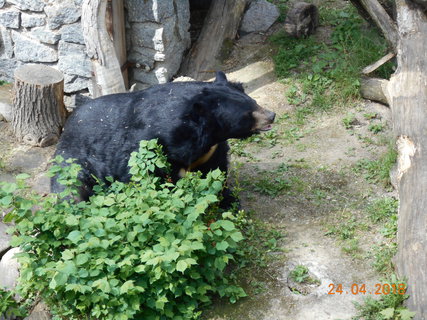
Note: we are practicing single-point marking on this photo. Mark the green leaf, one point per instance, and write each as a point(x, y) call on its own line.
point(406, 314)
point(223, 245)
point(71, 220)
point(74, 236)
point(126, 286)
point(181, 266)
point(67, 255)
point(237, 236)
point(102, 284)
point(82, 259)
point(23, 176)
point(6, 201)
point(227, 225)
point(59, 279)
point(387, 313)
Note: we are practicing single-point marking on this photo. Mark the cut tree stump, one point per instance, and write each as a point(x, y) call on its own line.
point(302, 20)
point(38, 111)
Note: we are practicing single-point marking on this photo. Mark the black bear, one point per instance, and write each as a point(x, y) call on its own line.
point(191, 120)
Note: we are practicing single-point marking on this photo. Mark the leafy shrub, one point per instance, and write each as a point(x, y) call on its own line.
point(148, 249)
point(9, 307)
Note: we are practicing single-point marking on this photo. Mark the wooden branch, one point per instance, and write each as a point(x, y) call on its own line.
point(373, 89)
point(381, 18)
point(216, 37)
point(108, 77)
point(408, 100)
point(377, 64)
point(38, 112)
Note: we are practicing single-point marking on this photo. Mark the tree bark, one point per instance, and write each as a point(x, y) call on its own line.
point(407, 93)
point(215, 40)
point(107, 77)
point(38, 112)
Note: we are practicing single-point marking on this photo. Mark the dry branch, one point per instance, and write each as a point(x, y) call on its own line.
point(377, 64)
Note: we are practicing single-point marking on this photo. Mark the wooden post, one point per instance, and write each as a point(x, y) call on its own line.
point(217, 35)
point(38, 112)
point(407, 94)
point(99, 44)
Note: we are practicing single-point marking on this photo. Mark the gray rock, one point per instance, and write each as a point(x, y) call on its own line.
point(74, 83)
point(41, 184)
point(32, 5)
point(32, 20)
point(4, 239)
point(7, 177)
point(6, 44)
point(40, 312)
point(9, 269)
point(151, 10)
point(10, 19)
point(2, 2)
point(72, 33)
point(142, 35)
point(7, 68)
point(45, 36)
point(6, 111)
point(27, 160)
point(29, 50)
point(259, 17)
point(62, 12)
point(73, 59)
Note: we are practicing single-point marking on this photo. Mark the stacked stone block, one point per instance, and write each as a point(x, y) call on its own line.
point(157, 37)
point(44, 31)
point(49, 32)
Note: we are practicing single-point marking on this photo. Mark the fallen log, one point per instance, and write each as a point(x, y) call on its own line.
point(373, 89)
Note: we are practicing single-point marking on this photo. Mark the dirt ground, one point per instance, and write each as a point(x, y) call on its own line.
point(323, 191)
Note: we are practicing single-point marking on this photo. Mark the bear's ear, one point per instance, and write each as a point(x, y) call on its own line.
point(220, 78)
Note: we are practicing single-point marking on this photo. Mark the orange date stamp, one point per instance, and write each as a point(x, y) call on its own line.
point(361, 288)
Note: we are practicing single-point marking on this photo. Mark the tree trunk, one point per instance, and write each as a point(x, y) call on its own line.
point(407, 94)
point(38, 112)
point(215, 40)
point(107, 72)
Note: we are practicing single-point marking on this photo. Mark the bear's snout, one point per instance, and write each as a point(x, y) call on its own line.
point(263, 119)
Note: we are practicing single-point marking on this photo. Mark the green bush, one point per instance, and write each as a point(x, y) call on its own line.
point(148, 249)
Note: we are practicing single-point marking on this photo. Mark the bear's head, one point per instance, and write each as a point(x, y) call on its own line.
point(236, 115)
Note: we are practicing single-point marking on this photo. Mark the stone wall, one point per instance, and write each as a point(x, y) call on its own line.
point(49, 32)
point(157, 36)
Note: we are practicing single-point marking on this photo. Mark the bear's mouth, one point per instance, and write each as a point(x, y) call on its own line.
point(266, 128)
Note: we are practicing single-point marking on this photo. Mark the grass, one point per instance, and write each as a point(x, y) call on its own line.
point(327, 74)
point(378, 171)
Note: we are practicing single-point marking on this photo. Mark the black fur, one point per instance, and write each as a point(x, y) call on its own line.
point(187, 118)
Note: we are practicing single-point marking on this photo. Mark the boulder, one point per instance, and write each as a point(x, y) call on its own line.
point(259, 17)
